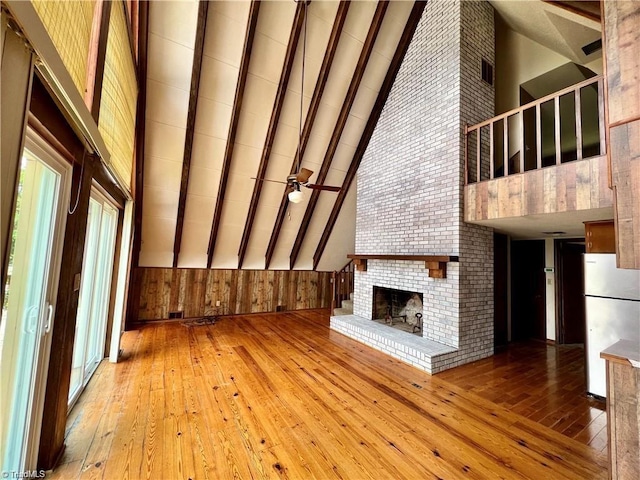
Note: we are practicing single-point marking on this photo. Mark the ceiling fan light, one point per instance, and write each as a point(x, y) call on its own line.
point(296, 196)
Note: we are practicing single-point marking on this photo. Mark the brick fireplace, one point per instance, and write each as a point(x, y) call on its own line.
point(409, 202)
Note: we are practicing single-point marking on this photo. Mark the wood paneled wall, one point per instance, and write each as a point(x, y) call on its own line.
point(196, 291)
point(580, 185)
point(622, 54)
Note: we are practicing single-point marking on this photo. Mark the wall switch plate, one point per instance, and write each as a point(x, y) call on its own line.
point(217, 303)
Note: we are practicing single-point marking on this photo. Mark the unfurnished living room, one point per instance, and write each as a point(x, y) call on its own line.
point(317, 239)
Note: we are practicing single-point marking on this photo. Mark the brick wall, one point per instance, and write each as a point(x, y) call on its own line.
point(476, 242)
point(410, 182)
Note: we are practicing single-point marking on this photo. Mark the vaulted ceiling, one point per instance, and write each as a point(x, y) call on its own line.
point(223, 95)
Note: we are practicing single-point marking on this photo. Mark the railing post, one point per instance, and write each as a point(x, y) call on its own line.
point(601, 127)
point(505, 145)
point(578, 125)
point(478, 154)
point(538, 137)
point(556, 116)
point(333, 292)
point(466, 154)
point(491, 153)
point(522, 141)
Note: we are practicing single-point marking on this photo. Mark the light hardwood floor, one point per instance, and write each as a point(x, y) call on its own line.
point(282, 396)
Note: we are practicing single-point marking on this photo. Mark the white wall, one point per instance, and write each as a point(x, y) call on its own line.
point(550, 287)
point(520, 59)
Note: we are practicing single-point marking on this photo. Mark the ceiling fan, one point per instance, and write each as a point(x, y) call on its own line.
point(300, 179)
point(297, 180)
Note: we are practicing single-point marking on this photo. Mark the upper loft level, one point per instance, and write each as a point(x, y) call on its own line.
point(543, 156)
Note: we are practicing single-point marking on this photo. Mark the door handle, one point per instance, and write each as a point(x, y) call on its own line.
point(47, 326)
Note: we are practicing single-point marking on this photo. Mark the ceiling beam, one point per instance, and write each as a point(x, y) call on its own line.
point(133, 292)
point(383, 94)
point(587, 8)
point(327, 61)
point(361, 66)
point(201, 28)
point(233, 127)
point(294, 36)
point(141, 107)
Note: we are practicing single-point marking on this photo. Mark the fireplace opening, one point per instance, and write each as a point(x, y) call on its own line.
point(398, 308)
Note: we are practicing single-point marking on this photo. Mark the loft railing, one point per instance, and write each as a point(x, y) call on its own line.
point(564, 126)
point(342, 285)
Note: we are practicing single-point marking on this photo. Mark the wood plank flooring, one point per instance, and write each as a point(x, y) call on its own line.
point(282, 396)
point(544, 383)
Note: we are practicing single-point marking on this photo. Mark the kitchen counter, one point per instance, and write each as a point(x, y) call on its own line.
point(624, 352)
point(623, 408)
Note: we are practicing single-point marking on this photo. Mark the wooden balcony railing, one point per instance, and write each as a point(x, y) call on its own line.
point(564, 126)
point(342, 285)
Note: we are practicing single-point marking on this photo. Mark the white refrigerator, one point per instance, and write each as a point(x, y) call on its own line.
point(612, 301)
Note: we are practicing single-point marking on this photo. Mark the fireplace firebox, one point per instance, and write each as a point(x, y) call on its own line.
point(398, 308)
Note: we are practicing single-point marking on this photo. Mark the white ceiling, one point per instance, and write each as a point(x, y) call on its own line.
point(172, 27)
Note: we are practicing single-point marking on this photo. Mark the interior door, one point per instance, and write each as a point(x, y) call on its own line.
point(528, 296)
point(500, 291)
point(570, 258)
point(29, 302)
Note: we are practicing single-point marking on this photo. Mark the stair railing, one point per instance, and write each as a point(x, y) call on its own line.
point(342, 285)
point(536, 135)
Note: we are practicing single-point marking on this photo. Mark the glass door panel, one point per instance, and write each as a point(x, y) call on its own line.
point(101, 289)
point(84, 303)
point(27, 308)
point(95, 291)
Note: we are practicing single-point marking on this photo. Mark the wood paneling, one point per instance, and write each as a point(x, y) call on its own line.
point(194, 292)
point(625, 174)
point(281, 396)
point(623, 413)
point(579, 185)
point(622, 66)
point(622, 54)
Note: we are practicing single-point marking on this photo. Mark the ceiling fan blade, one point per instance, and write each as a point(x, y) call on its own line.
point(327, 188)
point(268, 180)
point(303, 175)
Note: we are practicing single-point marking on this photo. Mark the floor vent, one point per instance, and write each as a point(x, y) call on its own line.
point(176, 315)
point(417, 385)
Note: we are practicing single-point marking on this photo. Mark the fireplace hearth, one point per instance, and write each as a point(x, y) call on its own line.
point(398, 309)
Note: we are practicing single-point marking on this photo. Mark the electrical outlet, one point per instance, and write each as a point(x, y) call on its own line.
point(217, 303)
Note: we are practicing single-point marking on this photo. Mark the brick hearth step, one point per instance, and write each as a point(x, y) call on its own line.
point(420, 352)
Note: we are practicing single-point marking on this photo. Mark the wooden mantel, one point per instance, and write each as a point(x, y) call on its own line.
point(437, 264)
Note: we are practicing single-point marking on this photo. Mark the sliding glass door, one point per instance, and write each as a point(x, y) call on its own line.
point(29, 302)
point(95, 292)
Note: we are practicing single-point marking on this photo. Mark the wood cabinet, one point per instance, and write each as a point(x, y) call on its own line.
point(600, 237)
point(623, 408)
